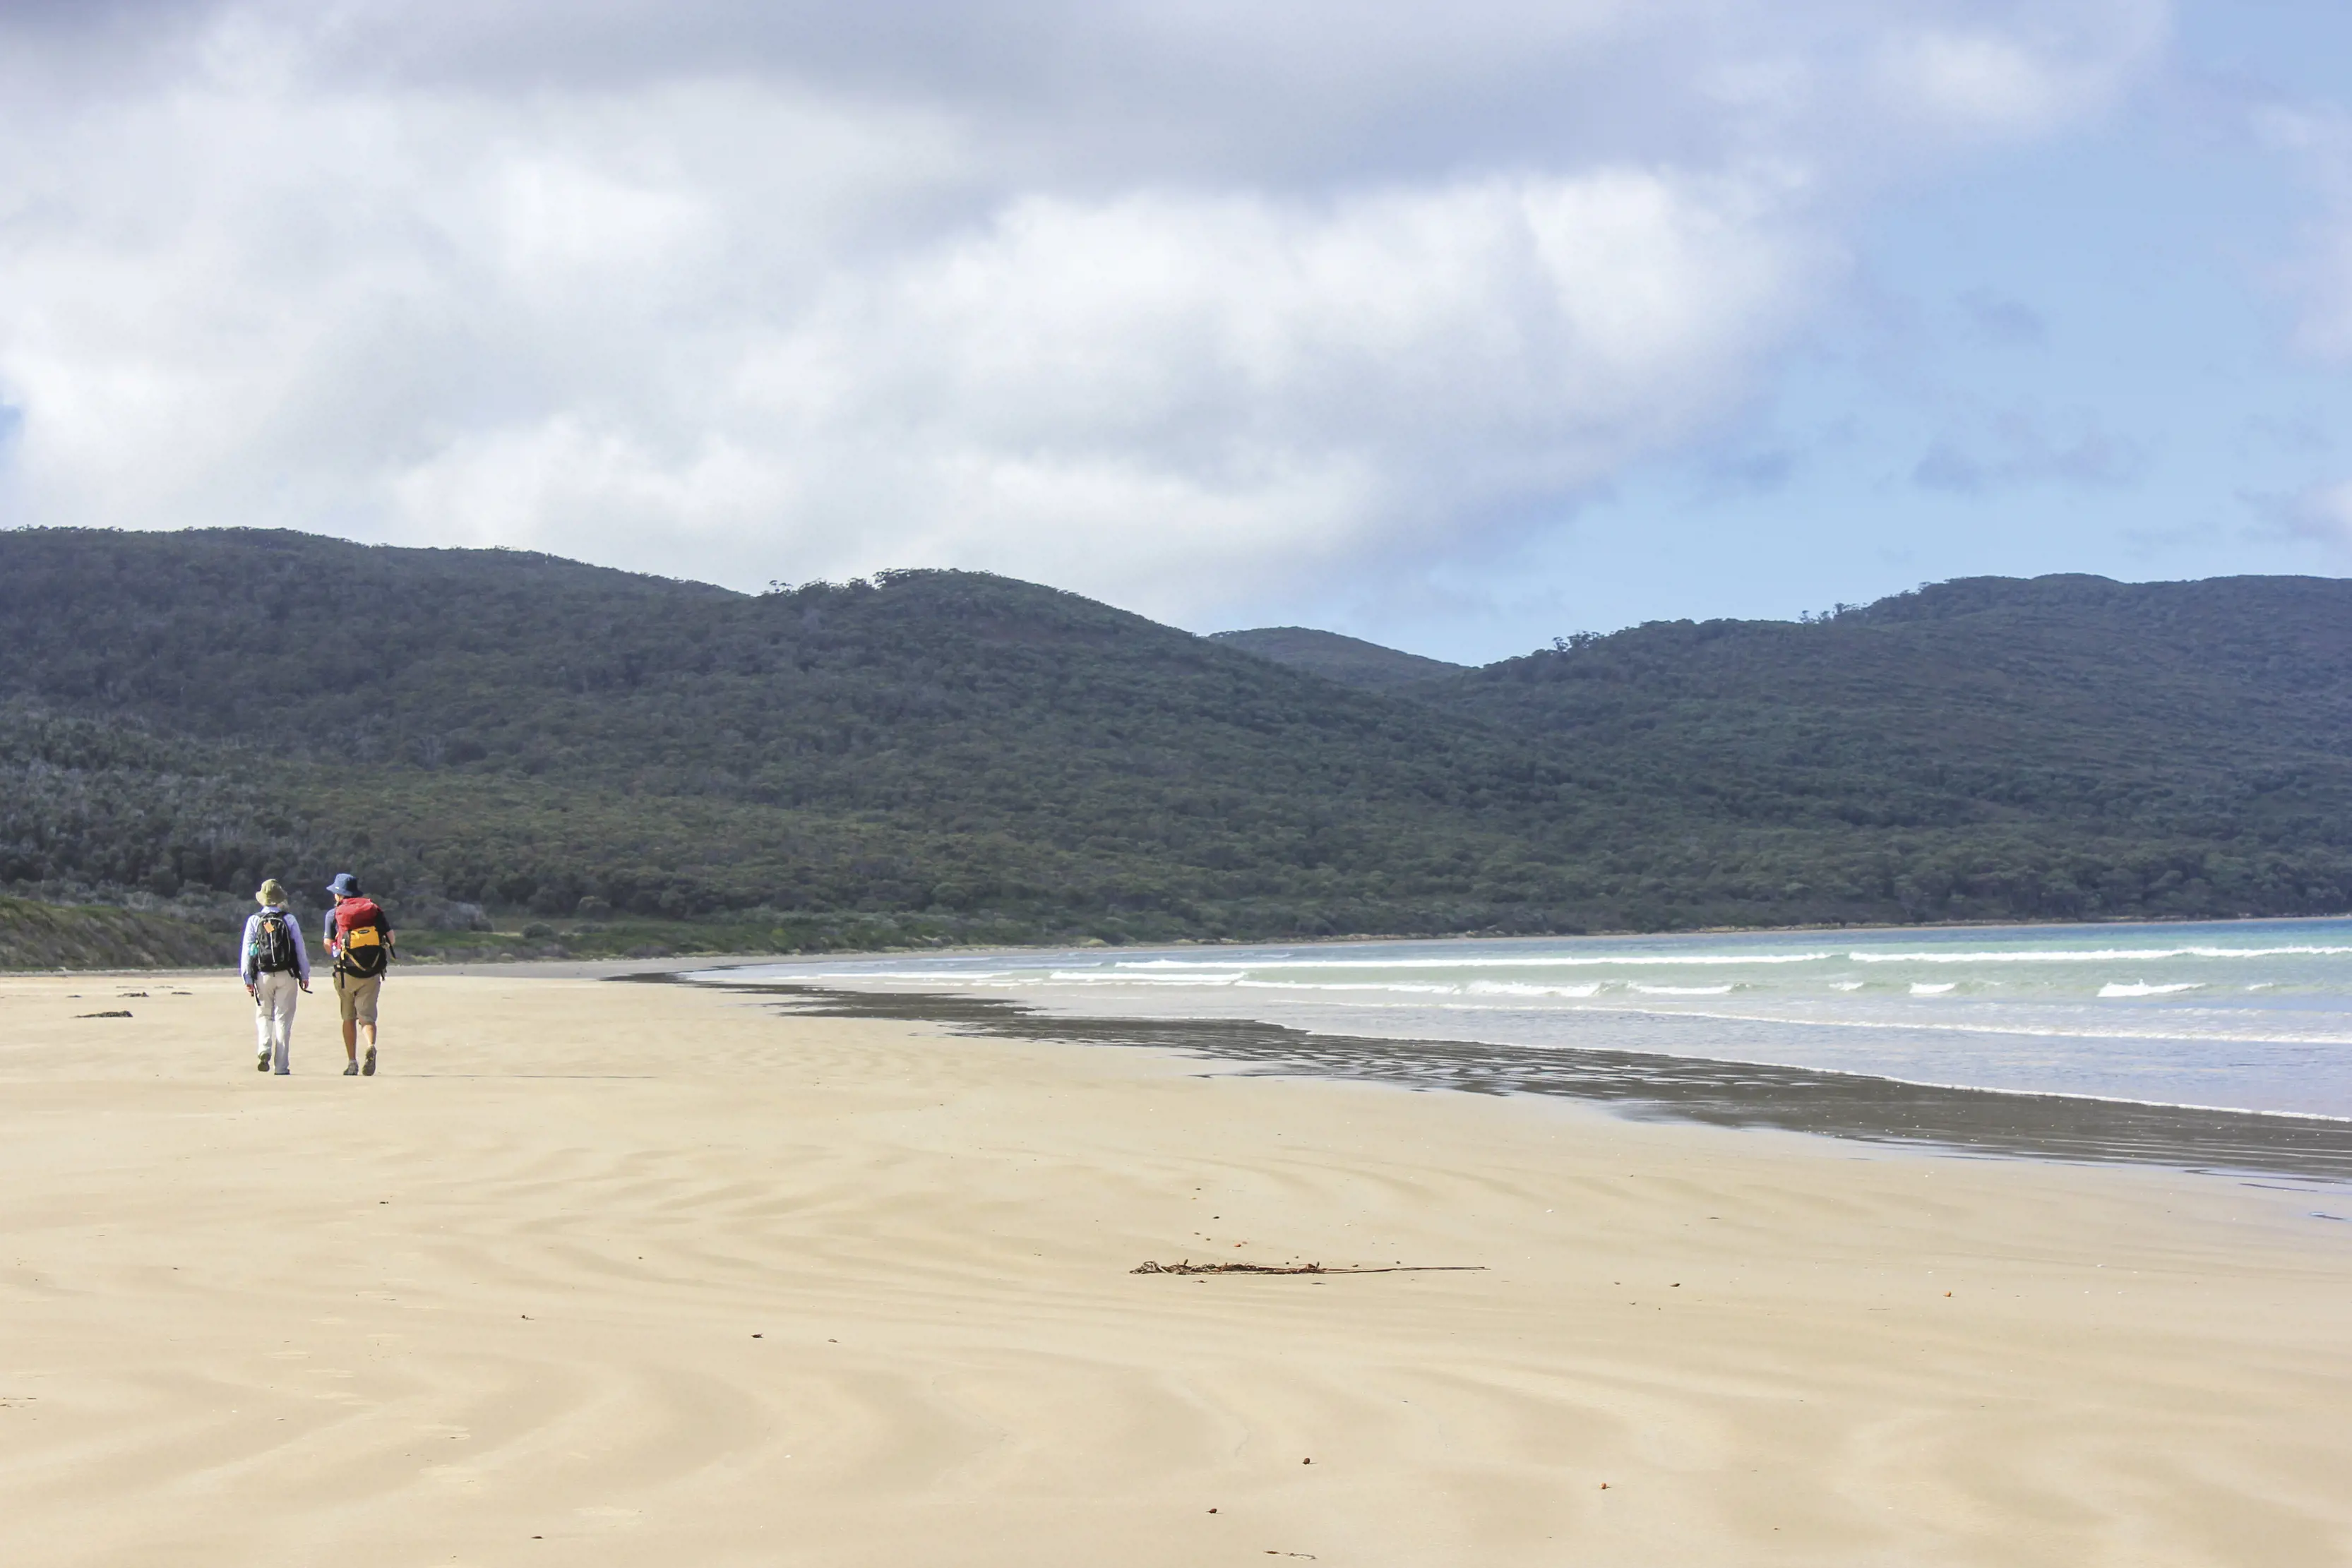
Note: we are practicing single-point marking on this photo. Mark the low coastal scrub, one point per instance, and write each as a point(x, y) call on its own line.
point(37, 936)
point(541, 939)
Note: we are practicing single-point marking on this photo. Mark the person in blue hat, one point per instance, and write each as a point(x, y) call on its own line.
point(360, 937)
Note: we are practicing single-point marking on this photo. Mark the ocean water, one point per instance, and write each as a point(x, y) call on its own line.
point(2245, 1015)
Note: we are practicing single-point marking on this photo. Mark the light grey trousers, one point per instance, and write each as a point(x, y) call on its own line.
point(273, 1017)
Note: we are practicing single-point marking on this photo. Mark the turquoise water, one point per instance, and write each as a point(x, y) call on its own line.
point(2245, 1015)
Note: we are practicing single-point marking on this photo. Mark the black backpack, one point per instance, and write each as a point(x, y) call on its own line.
point(272, 946)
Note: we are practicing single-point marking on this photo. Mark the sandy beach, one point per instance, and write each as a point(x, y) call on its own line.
point(602, 1274)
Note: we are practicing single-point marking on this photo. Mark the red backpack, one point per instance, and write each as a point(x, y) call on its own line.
point(367, 940)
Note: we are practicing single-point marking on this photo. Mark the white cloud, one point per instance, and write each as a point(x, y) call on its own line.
point(2318, 137)
point(2013, 78)
point(1146, 301)
point(1152, 393)
point(2320, 512)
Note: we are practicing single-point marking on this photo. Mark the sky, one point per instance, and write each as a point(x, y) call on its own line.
point(1457, 327)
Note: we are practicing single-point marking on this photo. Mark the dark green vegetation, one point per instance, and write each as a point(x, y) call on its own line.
point(1350, 660)
point(2065, 748)
point(628, 762)
point(758, 931)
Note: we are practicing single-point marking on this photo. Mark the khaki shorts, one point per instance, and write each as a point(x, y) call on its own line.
point(356, 994)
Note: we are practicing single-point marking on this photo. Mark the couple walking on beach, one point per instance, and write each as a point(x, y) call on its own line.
point(274, 965)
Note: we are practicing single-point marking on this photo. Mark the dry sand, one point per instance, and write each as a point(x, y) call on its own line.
point(602, 1273)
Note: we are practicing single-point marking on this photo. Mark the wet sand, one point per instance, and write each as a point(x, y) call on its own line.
point(1667, 1088)
point(602, 1274)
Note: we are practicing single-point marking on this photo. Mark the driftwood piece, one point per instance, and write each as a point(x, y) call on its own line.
point(1188, 1267)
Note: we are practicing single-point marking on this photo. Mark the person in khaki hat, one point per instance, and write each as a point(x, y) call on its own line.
point(274, 965)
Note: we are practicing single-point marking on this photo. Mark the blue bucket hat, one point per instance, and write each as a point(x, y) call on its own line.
point(345, 885)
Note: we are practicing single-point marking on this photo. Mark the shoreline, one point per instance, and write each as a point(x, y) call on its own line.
point(739, 957)
point(1367, 938)
point(2201, 1128)
point(2053, 1046)
point(1862, 1107)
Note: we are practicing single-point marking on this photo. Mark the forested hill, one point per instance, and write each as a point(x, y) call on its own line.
point(1350, 660)
point(181, 714)
point(2217, 709)
point(189, 708)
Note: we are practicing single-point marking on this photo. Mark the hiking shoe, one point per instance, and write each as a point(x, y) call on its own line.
point(367, 1068)
point(351, 1070)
